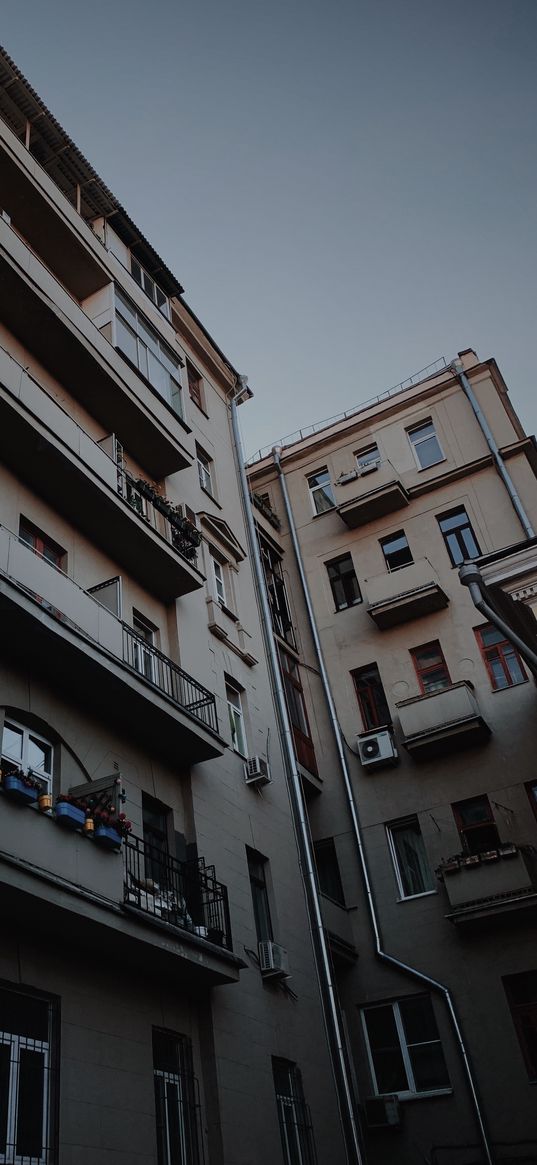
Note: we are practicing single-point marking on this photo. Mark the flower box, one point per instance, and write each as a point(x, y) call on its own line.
point(451, 867)
point(471, 862)
point(15, 787)
point(69, 816)
point(107, 837)
point(508, 850)
point(490, 855)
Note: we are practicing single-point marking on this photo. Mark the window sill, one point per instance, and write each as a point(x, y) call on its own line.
point(226, 611)
point(332, 510)
point(210, 495)
point(412, 897)
point(519, 683)
point(424, 468)
point(349, 607)
point(406, 1097)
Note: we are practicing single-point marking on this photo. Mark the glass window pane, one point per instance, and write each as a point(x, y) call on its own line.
point(126, 309)
point(159, 377)
point(428, 1066)
point(368, 456)
point(499, 677)
point(12, 743)
point(39, 755)
point(126, 340)
point(416, 877)
point(513, 665)
point(390, 1071)
point(474, 811)
point(428, 452)
point(386, 1050)
point(5, 1060)
point(323, 499)
point(31, 1103)
point(418, 1019)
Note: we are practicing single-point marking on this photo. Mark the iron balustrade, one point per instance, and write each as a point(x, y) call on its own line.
point(169, 678)
point(185, 894)
point(160, 515)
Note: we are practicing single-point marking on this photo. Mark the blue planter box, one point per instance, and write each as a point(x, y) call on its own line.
point(107, 836)
point(69, 816)
point(18, 791)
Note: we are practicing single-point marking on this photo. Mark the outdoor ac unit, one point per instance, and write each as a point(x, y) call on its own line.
point(256, 771)
point(370, 467)
point(377, 748)
point(346, 477)
point(272, 960)
point(382, 1112)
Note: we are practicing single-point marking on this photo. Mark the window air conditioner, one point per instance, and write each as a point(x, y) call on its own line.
point(370, 467)
point(382, 1112)
point(273, 962)
point(377, 749)
point(256, 771)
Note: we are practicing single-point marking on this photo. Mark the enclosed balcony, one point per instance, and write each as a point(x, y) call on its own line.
point(441, 721)
point(376, 491)
point(61, 632)
point(52, 325)
point(400, 595)
point(44, 446)
point(502, 881)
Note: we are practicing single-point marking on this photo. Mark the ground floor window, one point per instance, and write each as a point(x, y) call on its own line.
point(176, 1100)
point(27, 1078)
point(405, 1052)
point(293, 1114)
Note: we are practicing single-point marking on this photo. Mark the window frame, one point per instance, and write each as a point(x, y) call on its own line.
point(47, 778)
point(187, 1102)
point(411, 1092)
point(488, 822)
point(351, 576)
point(300, 1151)
point(126, 310)
point(499, 647)
point(391, 538)
point(371, 448)
point(43, 546)
point(414, 445)
point(164, 307)
point(48, 1048)
point(233, 709)
point(294, 696)
point(280, 610)
point(219, 581)
point(327, 846)
point(456, 534)
point(205, 471)
point(259, 890)
point(146, 632)
point(517, 1019)
point(391, 827)
point(364, 707)
point(195, 386)
point(422, 672)
point(319, 486)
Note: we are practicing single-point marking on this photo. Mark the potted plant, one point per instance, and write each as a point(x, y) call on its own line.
point(44, 802)
point(22, 787)
point(110, 830)
point(452, 865)
point(490, 855)
point(69, 813)
point(471, 861)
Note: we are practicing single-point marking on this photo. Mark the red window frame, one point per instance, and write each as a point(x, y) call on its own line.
point(423, 672)
point(41, 544)
point(367, 693)
point(488, 823)
point(195, 385)
point(499, 648)
point(303, 743)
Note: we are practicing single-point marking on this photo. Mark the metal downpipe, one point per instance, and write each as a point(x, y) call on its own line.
point(441, 988)
point(329, 1000)
point(470, 577)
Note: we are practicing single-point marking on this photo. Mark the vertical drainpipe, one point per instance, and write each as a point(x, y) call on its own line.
point(405, 968)
point(347, 1102)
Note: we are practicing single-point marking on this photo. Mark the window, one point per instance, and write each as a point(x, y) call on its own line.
point(137, 340)
point(531, 789)
point(369, 456)
point(409, 858)
point(461, 542)
point(176, 1100)
point(195, 386)
point(155, 823)
point(405, 1052)
point(205, 471)
point(144, 657)
point(236, 719)
point(277, 593)
point(502, 660)
point(476, 825)
point(343, 582)
point(328, 870)
point(297, 712)
point(371, 697)
point(521, 991)
point(293, 1114)
point(425, 445)
point(321, 493)
point(26, 1077)
point(42, 545)
point(431, 667)
point(151, 288)
point(396, 551)
point(27, 750)
point(219, 584)
point(260, 899)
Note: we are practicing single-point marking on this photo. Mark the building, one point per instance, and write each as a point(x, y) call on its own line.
point(138, 1023)
point(413, 718)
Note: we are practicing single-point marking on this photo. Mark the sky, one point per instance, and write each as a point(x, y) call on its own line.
point(345, 188)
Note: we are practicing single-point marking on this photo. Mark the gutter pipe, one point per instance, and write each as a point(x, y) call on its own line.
point(458, 370)
point(345, 1093)
point(441, 988)
point(470, 576)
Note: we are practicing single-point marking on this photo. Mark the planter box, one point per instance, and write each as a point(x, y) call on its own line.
point(69, 816)
point(15, 788)
point(107, 837)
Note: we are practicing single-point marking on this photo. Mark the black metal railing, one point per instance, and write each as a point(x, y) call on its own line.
point(169, 678)
point(185, 894)
point(160, 514)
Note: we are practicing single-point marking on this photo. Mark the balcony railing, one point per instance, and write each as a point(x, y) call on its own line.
point(184, 894)
point(169, 678)
point(161, 515)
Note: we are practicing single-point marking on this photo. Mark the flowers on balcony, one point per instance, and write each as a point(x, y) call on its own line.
point(110, 828)
point(20, 786)
point(185, 536)
point(69, 813)
point(464, 861)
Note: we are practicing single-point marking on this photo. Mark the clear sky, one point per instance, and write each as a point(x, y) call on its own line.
point(345, 188)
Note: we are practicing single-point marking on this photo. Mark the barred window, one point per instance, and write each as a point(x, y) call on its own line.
point(27, 1078)
point(293, 1114)
point(176, 1100)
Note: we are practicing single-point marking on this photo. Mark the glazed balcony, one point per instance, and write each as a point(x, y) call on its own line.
point(51, 625)
point(499, 882)
point(408, 593)
point(50, 322)
point(442, 721)
point(44, 446)
point(374, 493)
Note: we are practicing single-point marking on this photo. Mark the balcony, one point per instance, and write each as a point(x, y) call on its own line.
point(63, 884)
point(480, 886)
point(442, 721)
point(338, 926)
point(375, 493)
point(400, 595)
point(51, 625)
point(44, 446)
point(38, 310)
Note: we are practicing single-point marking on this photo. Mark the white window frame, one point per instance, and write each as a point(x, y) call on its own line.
point(24, 763)
point(236, 709)
point(16, 1044)
point(141, 329)
point(144, 661)
point(313, 489)
point(219, 581)
point(205, 471)
point(174, 1079)
point(164, 307)
point(395, 860)
point(415, 444)
point(411, 1091)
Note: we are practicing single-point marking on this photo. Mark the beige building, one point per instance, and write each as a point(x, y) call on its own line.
point(145, 1017)
point(413, 716)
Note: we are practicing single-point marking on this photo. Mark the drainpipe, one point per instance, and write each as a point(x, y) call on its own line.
point(347, 1101)
point(441, 988)
point(470, 576)
point(458, 370)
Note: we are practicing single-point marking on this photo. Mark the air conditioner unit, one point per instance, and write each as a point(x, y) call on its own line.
point(370, 467)
point(382, 1112)
point(377, 748)
point(346, 477)
point(273, 962)
point(256, 771)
